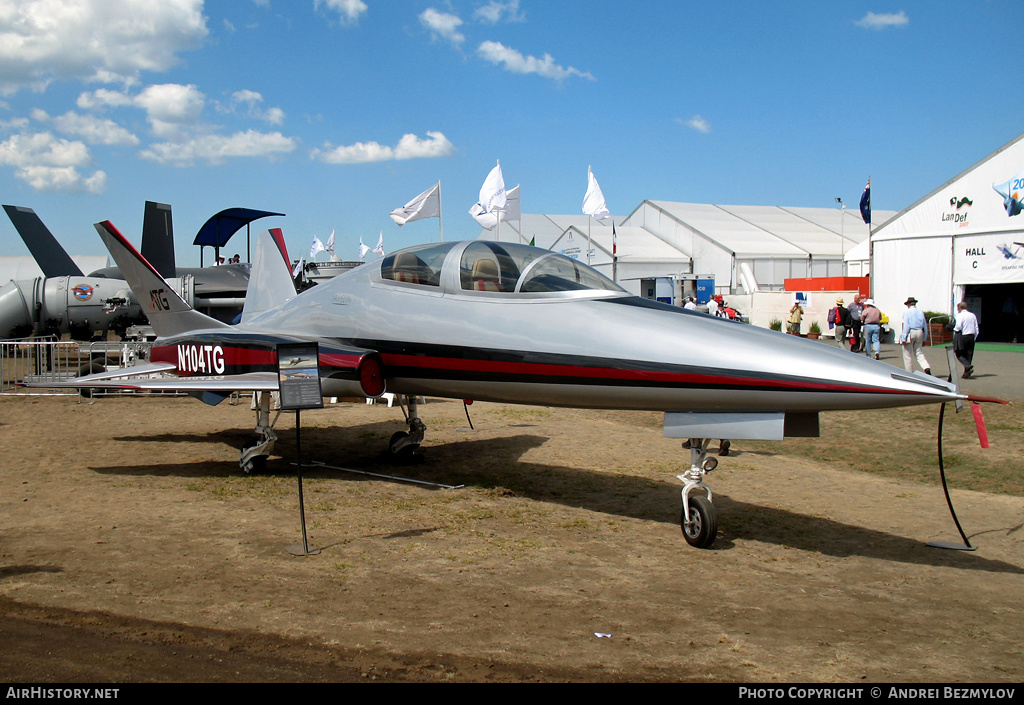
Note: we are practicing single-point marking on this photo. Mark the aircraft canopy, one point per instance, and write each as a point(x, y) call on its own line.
point(497, 267)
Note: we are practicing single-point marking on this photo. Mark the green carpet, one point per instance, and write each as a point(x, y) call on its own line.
point(1000, 347)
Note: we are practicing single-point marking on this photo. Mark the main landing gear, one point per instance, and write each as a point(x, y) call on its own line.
point(403, 445)
point(699, 519)
point(254, 457)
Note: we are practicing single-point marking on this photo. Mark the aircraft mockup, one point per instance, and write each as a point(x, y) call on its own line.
point(499, 322)
point(65, 300)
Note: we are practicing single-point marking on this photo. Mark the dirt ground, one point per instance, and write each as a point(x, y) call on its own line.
point(132, 549)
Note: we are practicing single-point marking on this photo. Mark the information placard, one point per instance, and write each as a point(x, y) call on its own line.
point(298, 371)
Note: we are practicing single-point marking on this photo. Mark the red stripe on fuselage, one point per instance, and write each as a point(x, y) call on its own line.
point(620, 374)
point(242, 357)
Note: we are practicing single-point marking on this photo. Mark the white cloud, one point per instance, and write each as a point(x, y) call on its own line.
point(48, 163)
point(883, 20)
point(349, 10)
point(252, 99)
point(46, 40)
point(103, 98)
point(90, 128)
point(515, 62)
point(215, 149)
point(494, 11)
point(442, 25)
point(697, 123)
point(171, 102)
point(409, 147)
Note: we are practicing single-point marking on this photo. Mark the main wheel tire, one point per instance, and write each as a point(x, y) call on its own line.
point(401, 453)
point(703, 529)
point(90, 368)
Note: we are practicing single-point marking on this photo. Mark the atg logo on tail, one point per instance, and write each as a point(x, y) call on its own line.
point(158, 300)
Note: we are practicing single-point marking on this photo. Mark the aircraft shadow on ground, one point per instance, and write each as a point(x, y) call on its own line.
point(496, 463)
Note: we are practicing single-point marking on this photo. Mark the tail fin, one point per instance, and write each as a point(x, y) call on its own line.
point(158, 239)
point(270, 281)
point(167, 312)
point(47, 252)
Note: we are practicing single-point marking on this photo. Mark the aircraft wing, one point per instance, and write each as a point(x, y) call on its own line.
point(151, 377)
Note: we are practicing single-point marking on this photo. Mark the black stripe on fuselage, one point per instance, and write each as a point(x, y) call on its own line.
point(449, 362)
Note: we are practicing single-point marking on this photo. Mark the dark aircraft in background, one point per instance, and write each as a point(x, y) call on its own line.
point(66, 301)
point(498, 322)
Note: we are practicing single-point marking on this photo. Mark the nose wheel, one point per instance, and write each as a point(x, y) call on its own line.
point(699, 520)
point(700, 525)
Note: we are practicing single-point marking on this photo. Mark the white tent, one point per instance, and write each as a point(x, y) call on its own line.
point(965, 239)
point(662, 238)
point(18, 267)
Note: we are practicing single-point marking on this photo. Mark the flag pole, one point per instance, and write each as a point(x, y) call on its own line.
point(590, 218)
point(440, 219)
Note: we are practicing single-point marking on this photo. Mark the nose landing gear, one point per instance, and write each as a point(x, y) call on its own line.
point(699, 520)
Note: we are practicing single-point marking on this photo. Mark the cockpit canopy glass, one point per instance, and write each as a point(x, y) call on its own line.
point(497, 267)
point(508, 268)
point(416, 265)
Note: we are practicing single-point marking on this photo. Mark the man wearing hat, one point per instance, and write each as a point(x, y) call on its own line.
point(840, 317)
point(912, 337)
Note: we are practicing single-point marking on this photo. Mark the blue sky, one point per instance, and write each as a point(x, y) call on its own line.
point(335, 112)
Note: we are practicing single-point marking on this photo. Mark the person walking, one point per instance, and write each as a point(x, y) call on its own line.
point(912, 337)
point(855, 308)
point(839, 317)
point(871, 328)
point(965, 332)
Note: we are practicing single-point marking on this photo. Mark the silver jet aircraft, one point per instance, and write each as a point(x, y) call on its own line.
point(508, 323)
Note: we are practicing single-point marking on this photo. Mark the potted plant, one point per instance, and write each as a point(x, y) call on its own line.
point(814, 332)
point(775, 324)
point(937, 332)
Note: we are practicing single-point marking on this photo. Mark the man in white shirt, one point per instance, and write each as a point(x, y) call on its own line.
point(713, 305)
point(964, 334)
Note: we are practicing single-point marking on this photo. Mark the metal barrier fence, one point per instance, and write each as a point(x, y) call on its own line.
point(51, 360)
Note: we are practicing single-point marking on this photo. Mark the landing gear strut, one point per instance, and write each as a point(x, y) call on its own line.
point(254, 457)
point(402, 444)
point(699, 520)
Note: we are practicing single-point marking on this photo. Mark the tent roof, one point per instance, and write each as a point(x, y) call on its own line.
point(219, 229)
point(772, 231)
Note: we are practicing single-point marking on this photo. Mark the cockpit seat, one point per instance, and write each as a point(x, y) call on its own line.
point(485, 275)
point(407, 268)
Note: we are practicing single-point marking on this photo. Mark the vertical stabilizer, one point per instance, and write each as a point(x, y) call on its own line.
point(270, 282)
point(158, 239)
point(167, 312)
point(47, 252)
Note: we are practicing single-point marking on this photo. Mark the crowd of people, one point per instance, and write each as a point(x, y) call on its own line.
point(857, 327)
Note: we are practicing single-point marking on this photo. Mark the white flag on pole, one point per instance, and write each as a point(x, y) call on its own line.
point(329, 247)
point(379, 249)
point(299, 266)
point(489, 221)
point(426, 205)
point(593, 201)
point(316, 247)
point(492, 193)
point(512, 210)
point(363, 249)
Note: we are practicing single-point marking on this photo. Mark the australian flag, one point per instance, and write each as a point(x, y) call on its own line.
point(865, 203)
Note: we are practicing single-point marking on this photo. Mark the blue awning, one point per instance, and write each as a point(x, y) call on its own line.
point(219, 229)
